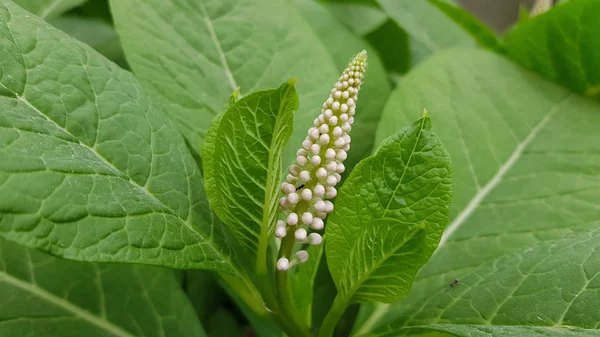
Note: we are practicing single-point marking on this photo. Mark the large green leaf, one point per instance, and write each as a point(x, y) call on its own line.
point(49, 8)
point(243, 163)
point(470, 330)
point(429, 29)
point(526, 165)
point(389, 216)
point(91, 170)
point(341, 43)
point(562, 45)
point(553, 284)
point(193, 54)
point(44, 296)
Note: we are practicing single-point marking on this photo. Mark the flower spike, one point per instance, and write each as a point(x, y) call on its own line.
point(319, 163)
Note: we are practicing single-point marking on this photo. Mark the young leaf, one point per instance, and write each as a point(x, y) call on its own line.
point(192, 55)
point(526, 171)
point(243, 166)
point(561, 45)
point(46, 9)
point(430, 30)
point(389, 216)
point(483, 34)
point(44, 296)
point(91, 170)
point(340, 43)
point(552, 284)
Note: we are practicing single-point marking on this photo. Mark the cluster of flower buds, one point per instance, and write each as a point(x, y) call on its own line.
point(319, 163)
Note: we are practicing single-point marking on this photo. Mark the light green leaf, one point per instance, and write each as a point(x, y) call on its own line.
point(46, 9)
point(470, 330)
point(429, 29)
point(193, 54)
point(389, 216)
point(553, 284)
point(44, 296)
point(341, 43)
point(303, 279)
point(94, 32)
point(483, 34)
point(526, 165)
point(91, 170)
point(561, 45)
point(243, 166)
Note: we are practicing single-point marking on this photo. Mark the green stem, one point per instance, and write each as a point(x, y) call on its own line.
point(333, 316)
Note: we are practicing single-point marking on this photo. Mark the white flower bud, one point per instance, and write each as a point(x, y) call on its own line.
point(337, 132)
point(313, 133)
point(301, 152)
point(321, 119)
point(335, 106)
point(328, 113)
point(350, 102)
point(346, 147)
point(301, 161)
point(328, 206)
point(346, 94)
point(344, 107)
point(292, 219)
point(315, 239)
point(284, 203)
point(324, 128)
point(315, 148)
point(300, 234)
point(317, 224)
point(293, 198)
point(346, 127)
point(319, 190)
point(344, 118)
point(333, 120)
point(306, 144)
point(287, 188)
point(283, 264)
point(301, 256)
point(350, 81)
point(340, 168)
point(315, 160)
point(320, 205)
point(337, 95)
point(294, 170)
point(306, 194)
point(280, 231)
point(321, 173)
point(332, 166)
point(316, 122)
point(340, 142)
point(331, 181)
point(291, 179)
point(304, 176)
point(338, 177)
point(330, 192)
point(330, 154)
point(324, 140)
point(351, 120)
point(352, 111)
point(307, 218)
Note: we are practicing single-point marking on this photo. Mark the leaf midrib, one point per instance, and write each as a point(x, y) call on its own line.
point(62, 303)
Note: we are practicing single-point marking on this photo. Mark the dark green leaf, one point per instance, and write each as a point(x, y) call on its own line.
point(526, 165)
point(193, 54)
point(561, 45)
point(91, 170)
point(44, 296)
point(389, 216)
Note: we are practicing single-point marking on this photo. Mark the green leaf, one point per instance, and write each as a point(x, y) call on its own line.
point(526, 167)
point(303, 278)
point(44, 296)
point(46, 9)
point(389, 216)
point(91, 170)
point(223, 323)
point(341, 43)
point(470, 330)
point(94, 32)
point(429, 30)
point(552, 284)
point(483, 34)
point(243, 180)
point(561, 45)
point(192, 55)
